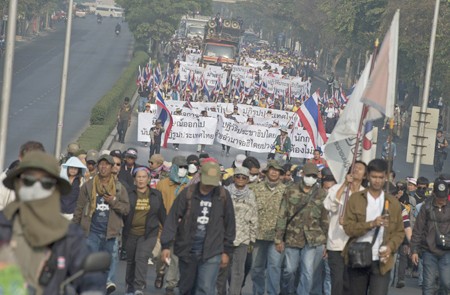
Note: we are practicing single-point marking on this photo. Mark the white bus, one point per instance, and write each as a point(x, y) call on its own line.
point(108, 10)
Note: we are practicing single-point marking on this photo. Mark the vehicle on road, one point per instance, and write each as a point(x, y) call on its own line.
point(221, 43)
point(109, 10)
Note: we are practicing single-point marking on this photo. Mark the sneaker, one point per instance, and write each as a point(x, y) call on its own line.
point(223, 152)
point(203, 151)
point(176, 148)
point(146, 144)
point(228, 154)
point(123, 255)
point(110, 287)
point(400, 284)
point(150, 261)
point(170, 291)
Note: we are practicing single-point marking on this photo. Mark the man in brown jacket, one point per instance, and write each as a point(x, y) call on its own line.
point(366, 211)
point(100, 207)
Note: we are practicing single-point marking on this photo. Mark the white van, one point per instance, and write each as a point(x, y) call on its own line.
point(108, 10)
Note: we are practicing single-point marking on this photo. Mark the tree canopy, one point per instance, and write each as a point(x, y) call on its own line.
point(348, 28)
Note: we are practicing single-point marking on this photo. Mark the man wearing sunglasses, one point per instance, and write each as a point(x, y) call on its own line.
point(46, 247)
point(101, 205)
point(301, 232)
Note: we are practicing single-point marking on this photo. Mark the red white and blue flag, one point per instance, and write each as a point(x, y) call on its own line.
point(311, 120)
point(163, 114)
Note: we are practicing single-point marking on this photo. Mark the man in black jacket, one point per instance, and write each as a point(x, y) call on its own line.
point(202, 223)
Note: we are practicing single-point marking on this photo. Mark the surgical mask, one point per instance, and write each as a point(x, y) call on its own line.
point(34, 192)
point(192, 168)
point(253, 178)
point(309, 180)
point(182, 172)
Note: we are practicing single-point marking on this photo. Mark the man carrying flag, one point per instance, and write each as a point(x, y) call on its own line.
point(163, 124)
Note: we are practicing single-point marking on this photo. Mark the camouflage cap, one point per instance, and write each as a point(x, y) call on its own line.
point(310, 168)
point(275, 165)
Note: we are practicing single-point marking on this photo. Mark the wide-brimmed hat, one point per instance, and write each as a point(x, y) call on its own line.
point(42, 161)
point(284, 129)
point(275, 165)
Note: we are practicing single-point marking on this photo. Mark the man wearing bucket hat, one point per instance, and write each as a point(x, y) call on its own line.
point(101, 205)
point(202, 223)
point(269, 194)
point(281, 146)
point(46, 247)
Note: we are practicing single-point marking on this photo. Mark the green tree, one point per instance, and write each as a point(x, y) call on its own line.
point(155, 21)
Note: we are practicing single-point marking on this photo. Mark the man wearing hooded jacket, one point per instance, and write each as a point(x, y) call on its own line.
point(45, 246)
point(170, 188)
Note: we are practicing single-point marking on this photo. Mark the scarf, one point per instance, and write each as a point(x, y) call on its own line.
point(41, 222)
point(155, 173)
point(98, 188)
point(271, 184)
point(237, 193)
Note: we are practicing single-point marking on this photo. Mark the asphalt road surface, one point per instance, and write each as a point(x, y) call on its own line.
point(97, 59)
point(402, 169)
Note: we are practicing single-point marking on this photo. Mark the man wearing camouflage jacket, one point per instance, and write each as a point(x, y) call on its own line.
point(268, 198)
point(301, 231)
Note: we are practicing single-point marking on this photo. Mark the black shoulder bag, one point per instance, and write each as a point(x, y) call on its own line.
point(442, 241)
point(360, 253)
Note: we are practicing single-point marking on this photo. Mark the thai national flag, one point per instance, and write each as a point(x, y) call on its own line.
point(264, 89)
point(206, 90)
point(342, 97)
point(163, 114)
point(311, 119)
point(367, 142)
point(158, 76)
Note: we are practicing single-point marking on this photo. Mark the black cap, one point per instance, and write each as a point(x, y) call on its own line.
point(116, 153)
point(440, 188)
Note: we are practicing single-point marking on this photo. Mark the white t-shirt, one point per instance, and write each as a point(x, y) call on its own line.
point(373, 210)
point(337, 238)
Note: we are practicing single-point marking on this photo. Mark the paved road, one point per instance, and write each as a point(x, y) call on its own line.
point(97, 59)
point(403, 169)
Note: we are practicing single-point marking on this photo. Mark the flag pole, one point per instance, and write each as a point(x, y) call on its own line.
point(358, 140)
point(426, 92)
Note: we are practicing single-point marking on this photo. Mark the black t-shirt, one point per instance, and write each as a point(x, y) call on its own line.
point(202, 222)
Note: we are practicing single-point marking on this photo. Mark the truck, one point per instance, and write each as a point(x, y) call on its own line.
point(221, 42)
point(192, 26)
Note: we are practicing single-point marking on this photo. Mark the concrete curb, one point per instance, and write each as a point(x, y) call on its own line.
point(112, 136)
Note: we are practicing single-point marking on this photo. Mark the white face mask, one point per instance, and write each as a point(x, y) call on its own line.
point(192, 168)
point(34, 192)
point(253, 178)
point(182, 172)
point(309, 180)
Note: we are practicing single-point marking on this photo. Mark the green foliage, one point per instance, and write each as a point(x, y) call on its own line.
point(104, 114)
point(158, 19)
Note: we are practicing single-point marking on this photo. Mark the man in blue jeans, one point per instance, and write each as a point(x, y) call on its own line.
point(100, 207)
point(266, 264)
point(433, 219)
point(201, 221)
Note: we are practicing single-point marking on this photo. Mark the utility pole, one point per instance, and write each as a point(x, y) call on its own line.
point(426, 93)
point(7, 78)
point(62, 97)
